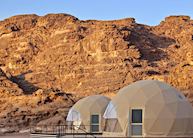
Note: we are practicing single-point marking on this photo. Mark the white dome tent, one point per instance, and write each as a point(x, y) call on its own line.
point(150, 109)
point(88, 113)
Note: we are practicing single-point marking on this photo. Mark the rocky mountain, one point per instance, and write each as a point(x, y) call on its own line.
point(49, 62)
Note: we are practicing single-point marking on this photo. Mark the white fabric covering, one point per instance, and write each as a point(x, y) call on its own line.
point(73, 116)
point(81, 112)
point(110, 112)
point(76, 124)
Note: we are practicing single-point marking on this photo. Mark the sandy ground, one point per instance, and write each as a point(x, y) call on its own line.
point(26, 135)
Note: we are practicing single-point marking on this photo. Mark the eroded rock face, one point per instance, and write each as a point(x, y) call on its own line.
point(23, 111)
point(58, 51)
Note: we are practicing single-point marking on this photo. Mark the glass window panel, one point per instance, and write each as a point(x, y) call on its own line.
point(94, 128)
point(95, 119)
point(136, 130)
point(136, 116)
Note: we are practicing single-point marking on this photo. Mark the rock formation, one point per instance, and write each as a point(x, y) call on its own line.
point(48, 62)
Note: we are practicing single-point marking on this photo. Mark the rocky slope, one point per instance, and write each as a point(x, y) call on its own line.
point(48, 62)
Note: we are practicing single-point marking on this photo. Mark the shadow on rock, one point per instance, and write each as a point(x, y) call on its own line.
point(25, 85)
point(150, 45)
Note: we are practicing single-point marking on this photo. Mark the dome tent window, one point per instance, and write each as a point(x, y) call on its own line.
point(136, 122)
point(94, 123)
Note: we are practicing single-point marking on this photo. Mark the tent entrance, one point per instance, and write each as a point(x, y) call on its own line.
point(135, 124)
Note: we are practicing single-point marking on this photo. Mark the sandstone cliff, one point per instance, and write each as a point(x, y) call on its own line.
point(48, 62)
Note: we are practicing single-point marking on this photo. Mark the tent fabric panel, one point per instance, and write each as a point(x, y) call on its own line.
point(73, 115)
point(112, 125)
point(110, 111)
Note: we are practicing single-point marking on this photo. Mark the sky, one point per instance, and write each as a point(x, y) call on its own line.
point(149, 12)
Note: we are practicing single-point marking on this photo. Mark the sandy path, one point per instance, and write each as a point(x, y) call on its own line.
point(16, 136)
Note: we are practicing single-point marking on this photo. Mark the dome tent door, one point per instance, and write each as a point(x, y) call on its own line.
point(135, 123)
point(94, 127)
